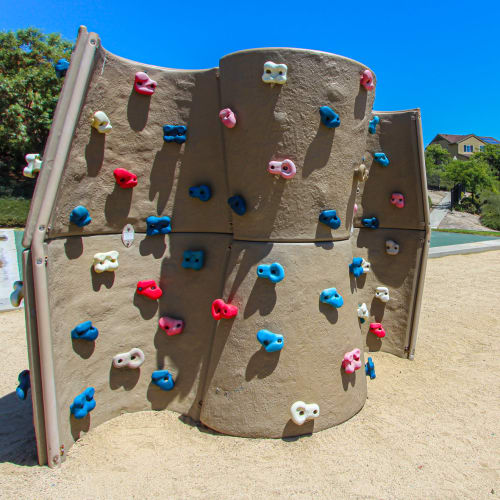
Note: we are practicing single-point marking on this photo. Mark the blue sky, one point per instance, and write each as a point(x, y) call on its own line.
point(440, 56)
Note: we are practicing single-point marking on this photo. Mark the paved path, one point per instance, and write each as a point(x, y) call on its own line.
point(439, 212)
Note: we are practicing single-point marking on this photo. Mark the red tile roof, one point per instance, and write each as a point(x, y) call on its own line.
point(452, 139)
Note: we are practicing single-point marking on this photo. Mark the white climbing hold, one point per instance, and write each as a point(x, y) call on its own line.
point(132, 359)
point(301, 412)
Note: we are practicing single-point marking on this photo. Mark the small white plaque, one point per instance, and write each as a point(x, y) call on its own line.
point(128, 235)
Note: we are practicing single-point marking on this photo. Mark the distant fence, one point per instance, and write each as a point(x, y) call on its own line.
point(456, 194)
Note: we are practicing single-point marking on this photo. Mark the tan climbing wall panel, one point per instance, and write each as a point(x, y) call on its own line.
point(126, 320)
point(250, 391)
point(397, 137)
point(399, 273)
point(283, 121)
point(165, 171)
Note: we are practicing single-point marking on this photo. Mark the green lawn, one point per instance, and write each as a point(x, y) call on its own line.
point(14, 211)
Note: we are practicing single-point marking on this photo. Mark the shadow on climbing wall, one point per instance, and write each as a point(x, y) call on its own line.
point(262, 364)
point(73, 247)
point(117, 207)
point(17, 435)
point(318, 152)
point(304, 430)
point(79, 425)
point(123, 377)
point(138, 110)
point(349, 379)
point(94, 152)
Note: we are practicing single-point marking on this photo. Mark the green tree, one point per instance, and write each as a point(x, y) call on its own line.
point(435, 154)
point(491, 155)
point(474, 174)
point(29, 90)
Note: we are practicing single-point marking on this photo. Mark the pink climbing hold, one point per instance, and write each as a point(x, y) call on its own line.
point(124, 178)
point(377, 329)
point(143, 84)
point(398, 200)
point(285, 168)
point(367, 80)
point(227, 117)
point(149, 289)
point(355, 208)
point(172, 326)
point(352, 361)
point(222, 310)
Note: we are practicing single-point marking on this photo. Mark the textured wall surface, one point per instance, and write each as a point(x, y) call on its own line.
point(126, 320)
point(283, 122)
point(223, 376)
point(397, 137)
point(251, 390)
point(165, 171)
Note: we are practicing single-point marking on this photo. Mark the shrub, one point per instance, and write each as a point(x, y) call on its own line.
point(491, 210)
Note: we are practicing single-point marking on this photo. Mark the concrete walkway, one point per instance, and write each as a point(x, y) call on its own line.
point(440, 211)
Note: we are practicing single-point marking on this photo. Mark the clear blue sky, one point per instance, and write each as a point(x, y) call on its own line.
point(441, 55)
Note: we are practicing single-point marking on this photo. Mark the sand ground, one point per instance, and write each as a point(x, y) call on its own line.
point(429, 430)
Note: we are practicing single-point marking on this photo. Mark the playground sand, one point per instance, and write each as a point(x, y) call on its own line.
point(430, 428)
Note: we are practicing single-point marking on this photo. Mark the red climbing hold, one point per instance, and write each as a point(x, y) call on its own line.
point(377, 329)
point(222, 310)
point(150, 289)
point(124, 178)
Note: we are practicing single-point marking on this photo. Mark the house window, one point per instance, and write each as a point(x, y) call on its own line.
point(481, 148)
point(468, 148)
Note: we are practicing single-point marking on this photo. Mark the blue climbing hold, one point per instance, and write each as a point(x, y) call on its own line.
point(193, 259)
point(202, 192)
point(372, 127)
point(381, 158)
point(370, 368)
point(158, 225)
point(24, 384)
point(238, 204)
point(84, 331)
point(61, 67)
point(356, 266)
point(80, 216)
point(163, 379)
point(84, 403)
point(330, 218)
point(271, 342)
point(332, 297)
point(273, 272)
point(370, 222)
point(174, 133)
point(329, 117)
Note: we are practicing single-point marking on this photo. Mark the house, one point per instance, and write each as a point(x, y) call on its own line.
point(461, 147)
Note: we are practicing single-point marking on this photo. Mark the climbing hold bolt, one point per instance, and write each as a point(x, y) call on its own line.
point(332, 297)
point(149, 289)
point(124, 178)
point(85, 331)
point(171, 326)
point(84, 403)
point(222, 310)
point(301, 412)
point(227, 117)
point(274, 73)
point(273, 272)
point(271, 342)
point(329, 117)
point(285, 168)
point(80, 216)
point(143, 84)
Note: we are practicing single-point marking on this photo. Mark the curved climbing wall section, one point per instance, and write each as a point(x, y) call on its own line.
point(194, 243)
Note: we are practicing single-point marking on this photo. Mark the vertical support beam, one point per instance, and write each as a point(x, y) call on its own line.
point(63, 130)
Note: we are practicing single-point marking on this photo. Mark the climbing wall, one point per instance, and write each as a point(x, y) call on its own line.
point(182, 257)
